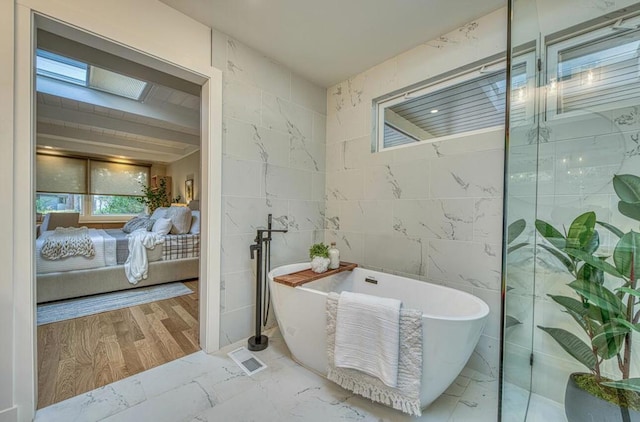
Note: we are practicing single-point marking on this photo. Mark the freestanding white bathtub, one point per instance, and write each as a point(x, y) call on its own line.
point(452, 320)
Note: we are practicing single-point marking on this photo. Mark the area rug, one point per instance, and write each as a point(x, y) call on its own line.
point(75, 308)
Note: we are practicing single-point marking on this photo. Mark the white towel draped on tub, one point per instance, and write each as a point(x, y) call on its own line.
point(367, 333)
point(406, 396)
point(137, 263)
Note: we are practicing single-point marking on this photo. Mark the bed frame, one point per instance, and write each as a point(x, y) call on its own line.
point(70, 284)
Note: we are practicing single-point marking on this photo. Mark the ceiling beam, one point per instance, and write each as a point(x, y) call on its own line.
point(89, 149)
point(52, 131)
point(166, 112)
point(110, 123)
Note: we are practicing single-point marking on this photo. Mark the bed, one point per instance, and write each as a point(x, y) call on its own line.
point(175, 259)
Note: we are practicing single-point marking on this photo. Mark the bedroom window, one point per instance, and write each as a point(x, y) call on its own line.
point(115, 205)
point(59, 202)
point(95, 188)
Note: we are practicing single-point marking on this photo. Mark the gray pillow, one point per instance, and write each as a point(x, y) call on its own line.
point(180, 218)
point(138, 223)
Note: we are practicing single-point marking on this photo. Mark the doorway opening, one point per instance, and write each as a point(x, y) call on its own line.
point(160, 131)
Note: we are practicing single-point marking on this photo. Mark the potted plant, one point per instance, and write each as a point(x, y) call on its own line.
point(604, 306)
point(155, 197)
point(319, 254)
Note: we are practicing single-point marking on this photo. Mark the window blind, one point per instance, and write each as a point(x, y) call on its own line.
point(117, 179)
point(56, 174)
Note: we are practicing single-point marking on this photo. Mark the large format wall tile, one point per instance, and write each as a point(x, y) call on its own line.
point(250, 142)
point(429, 211)
point(247, 66)
point(273, 163)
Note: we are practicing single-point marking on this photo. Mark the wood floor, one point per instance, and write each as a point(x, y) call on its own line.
point(79, 355)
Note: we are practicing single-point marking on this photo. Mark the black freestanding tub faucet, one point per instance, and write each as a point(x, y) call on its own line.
point(259, 341)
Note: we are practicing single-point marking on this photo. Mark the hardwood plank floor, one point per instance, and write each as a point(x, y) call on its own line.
point(79, 355)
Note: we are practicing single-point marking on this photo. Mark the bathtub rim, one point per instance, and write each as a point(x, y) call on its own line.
point(482, 313)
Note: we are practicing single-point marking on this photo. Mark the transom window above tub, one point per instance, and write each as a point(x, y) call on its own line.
point(453, 106)
point(595, 71)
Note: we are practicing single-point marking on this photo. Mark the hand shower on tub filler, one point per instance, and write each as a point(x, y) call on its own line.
point(263, 266)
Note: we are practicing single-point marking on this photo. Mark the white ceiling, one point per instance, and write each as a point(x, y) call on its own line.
point(327, 41)
point(162, 129)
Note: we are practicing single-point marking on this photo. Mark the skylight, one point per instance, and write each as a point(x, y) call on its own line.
point(61, 68)
point(115, 83)
point(72, 71)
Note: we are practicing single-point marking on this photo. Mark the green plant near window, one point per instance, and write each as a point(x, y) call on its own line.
point(155, 197)
point(606, 310)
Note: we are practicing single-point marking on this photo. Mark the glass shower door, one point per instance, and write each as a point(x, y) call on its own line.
point(561, 161)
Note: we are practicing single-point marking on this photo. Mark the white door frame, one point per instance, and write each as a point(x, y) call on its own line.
point(67, 12)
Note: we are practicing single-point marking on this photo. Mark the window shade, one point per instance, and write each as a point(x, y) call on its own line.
point(117, 179)
point(55, 174)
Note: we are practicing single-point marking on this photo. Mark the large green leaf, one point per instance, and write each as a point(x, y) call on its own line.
point(625, 255)
point(515, 229)
point(625, 323)
point(629, 291)
point(511, 321)
point(630, 210)
point(632, 384)
point(551, 234)
point(590, 273)
point(592, 244)
point(516, 247)
point(593, 261)
point(577, 309)
point(561, 257)
point(572, 345)
point(581, 230)
point(599, 296)
point(627, 187)
point(611, 228)
point(609, 339)
point(571, 304)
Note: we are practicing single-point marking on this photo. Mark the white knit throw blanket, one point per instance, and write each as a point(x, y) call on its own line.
point(68, 241)
point(406, 396)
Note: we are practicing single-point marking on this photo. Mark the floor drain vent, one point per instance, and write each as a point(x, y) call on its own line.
point(247, 361)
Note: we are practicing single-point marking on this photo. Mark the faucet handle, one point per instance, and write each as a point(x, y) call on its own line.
point(254, 248)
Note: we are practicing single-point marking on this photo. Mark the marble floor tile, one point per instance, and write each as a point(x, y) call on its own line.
point(97, 404)
point(207, 388)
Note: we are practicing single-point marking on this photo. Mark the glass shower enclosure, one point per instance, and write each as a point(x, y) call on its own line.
point(572, 210)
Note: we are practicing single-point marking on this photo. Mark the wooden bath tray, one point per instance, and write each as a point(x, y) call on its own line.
point(301, 277)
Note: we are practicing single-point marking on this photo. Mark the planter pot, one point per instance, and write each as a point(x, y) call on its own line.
point(319, 264)
point(582, 406)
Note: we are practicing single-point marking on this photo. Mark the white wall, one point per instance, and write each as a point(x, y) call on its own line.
point(179, 170)
point(274, 162)
point(433, 211)
point(7, 410)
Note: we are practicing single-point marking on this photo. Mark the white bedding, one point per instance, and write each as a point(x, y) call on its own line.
point(105, 254)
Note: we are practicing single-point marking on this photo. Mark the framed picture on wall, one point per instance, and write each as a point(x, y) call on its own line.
point(188, 190)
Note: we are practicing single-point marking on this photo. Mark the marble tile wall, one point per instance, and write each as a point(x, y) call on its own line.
point(274, 162)
point(432, 211)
